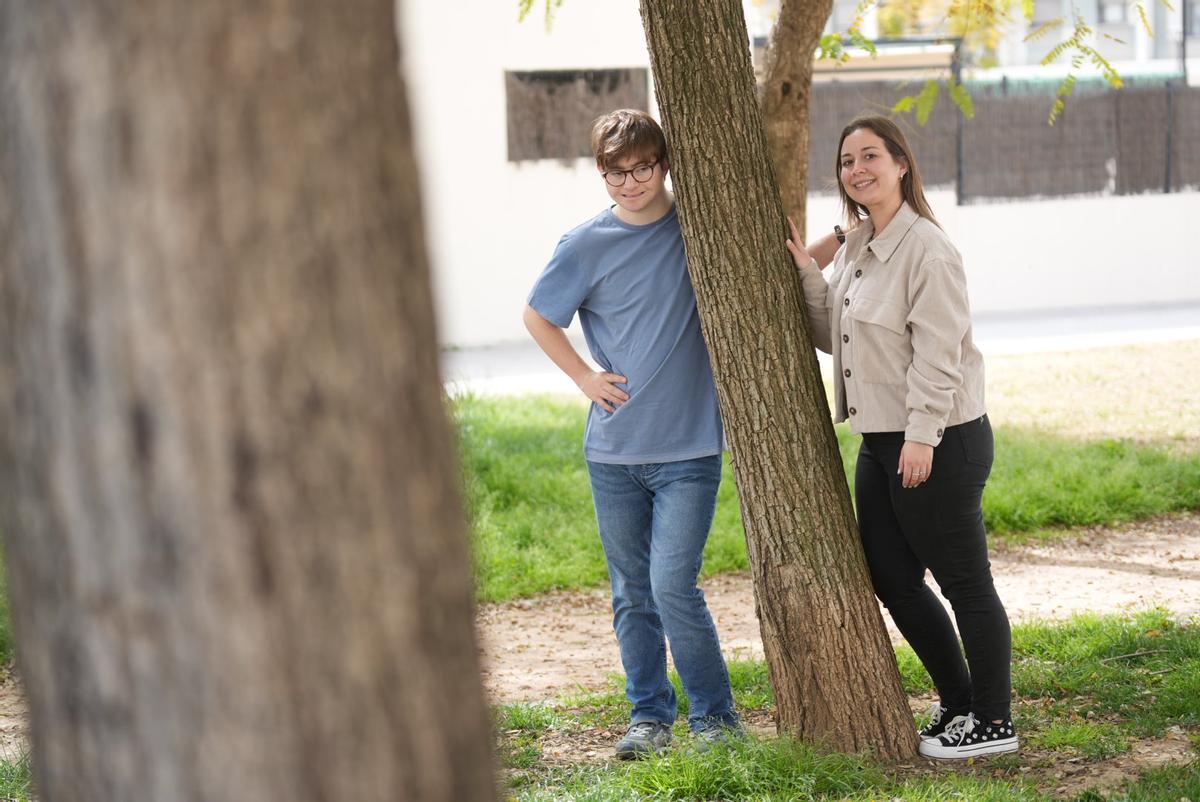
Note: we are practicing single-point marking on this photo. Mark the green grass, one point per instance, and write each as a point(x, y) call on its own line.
point(1144, 668)
point(1039, 481)
point(16, 779)
point(6, 643)
point(768, 770)
point(1084, 738)
point(1082, 693)
point(607, 708)
point(533, 527)
point(526, 717)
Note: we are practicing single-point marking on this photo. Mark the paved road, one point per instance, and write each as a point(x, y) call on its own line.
point(519, 367)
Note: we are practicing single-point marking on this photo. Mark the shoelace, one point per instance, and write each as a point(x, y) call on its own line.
point(935, 714)
point(641, 728)
point(957, 730)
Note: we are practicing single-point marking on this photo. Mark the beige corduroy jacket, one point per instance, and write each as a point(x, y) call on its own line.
point(895, 316)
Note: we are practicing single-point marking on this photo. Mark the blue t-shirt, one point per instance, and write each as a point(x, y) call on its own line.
point(631, 288)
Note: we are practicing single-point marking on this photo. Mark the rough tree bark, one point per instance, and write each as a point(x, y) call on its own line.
point(831, 664)
point(786, 95)
point(237, 556)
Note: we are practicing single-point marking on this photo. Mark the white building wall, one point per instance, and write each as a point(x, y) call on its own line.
point(1067, 253)
point(492, 224)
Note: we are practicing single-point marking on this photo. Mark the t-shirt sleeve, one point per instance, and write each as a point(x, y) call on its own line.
point(562, 287)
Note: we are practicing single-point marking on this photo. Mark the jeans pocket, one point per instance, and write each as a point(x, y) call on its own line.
point(977, 443)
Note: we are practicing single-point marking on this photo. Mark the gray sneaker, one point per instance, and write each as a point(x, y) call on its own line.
point(644, 738)
point(717, 734)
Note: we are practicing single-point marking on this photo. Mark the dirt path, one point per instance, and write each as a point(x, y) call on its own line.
point(563, 642)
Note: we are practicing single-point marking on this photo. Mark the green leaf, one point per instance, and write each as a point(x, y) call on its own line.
point(1059, 49)
point(1141, 10)
point(905, 104)
point(1061, 95)
point(831, 46)
point(524, 7)
point(926, 101)
point(551, 7)
point(1057, 108)
point(859, 40)
point(1106, 68)
point(961, 98)
point(1027, 8)
point(1044, 28)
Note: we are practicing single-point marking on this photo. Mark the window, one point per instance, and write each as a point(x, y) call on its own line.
point(1113, 11)
point(550, 113)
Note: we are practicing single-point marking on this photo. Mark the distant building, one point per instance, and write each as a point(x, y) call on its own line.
point(501, 111)
point(1120, 34)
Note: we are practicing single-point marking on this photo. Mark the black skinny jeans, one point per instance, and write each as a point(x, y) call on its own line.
point(939, 525)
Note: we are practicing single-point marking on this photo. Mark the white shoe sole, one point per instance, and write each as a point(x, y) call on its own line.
point(935, 749)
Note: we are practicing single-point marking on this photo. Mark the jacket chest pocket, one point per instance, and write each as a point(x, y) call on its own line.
point(881, 345)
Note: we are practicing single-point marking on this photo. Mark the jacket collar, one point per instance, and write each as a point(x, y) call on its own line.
point(885, 243)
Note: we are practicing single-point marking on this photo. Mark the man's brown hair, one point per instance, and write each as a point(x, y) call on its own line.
point(624, 133)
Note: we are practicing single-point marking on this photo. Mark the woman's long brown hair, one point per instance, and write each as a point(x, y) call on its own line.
point(911, 188)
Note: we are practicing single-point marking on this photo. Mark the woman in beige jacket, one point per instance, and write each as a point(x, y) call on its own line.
point(907, 375)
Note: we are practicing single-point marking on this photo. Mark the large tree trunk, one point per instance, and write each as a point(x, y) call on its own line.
point(237, 556)
point(786, 95)
point(831, 664)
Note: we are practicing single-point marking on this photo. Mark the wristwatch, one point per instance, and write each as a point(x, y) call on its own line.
point(841, 235)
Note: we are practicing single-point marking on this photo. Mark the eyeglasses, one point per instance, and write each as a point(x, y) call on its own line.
point(641, 174)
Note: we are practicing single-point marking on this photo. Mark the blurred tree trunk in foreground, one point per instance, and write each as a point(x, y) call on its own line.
point(831, 664)
point(237, 554)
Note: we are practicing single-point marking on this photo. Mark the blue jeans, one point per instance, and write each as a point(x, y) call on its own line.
point(654, 521)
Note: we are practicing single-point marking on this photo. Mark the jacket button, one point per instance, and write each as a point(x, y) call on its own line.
point(853, 411)
point(846, 302)
point(845, 338)
point(846, 373)
point(939, 432)
point(857, 273)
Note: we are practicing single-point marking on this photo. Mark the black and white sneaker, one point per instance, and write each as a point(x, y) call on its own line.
point(939, 719)
point(969, 737)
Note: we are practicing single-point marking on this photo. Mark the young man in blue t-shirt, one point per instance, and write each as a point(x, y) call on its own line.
point(653, 440)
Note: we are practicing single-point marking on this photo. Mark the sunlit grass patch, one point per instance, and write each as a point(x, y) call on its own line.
point(751, 684)
point(913, 675)
point(1084, 688)
point(745, 769)
point(527, 717)
point(1086, 738)
point(534, 529)
point(1144, 668)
